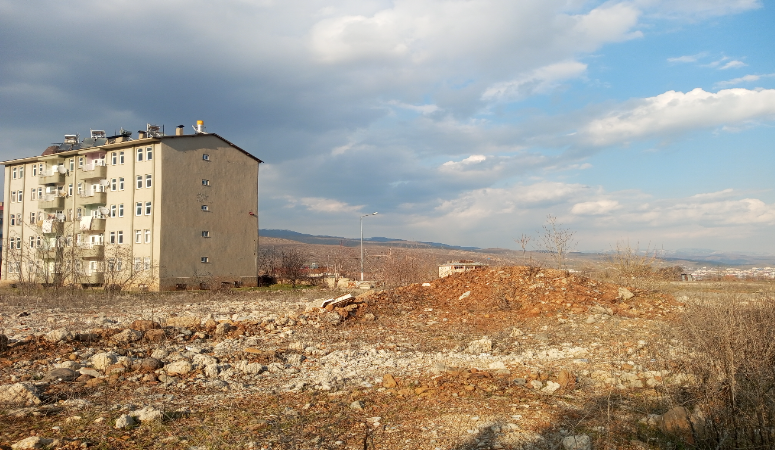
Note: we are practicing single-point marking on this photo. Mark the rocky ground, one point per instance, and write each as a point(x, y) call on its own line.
point(501, 358)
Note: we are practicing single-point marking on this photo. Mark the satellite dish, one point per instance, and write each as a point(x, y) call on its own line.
point(103, 210)
point(62, 169)
point(104, 182)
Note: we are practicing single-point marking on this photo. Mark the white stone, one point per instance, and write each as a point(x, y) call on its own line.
point(179, 367)
point(146, 414)
point(19, 394)
point(125, 421)
point(550, 387)
point(127, 336)
point(32, 442)
point(101, 361)
point(577, 442)
point(483, 345)
point(58, 335)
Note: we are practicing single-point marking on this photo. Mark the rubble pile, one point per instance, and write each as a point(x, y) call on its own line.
point(526, 291)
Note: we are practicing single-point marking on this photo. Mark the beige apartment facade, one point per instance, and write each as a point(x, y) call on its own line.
point(157, 212)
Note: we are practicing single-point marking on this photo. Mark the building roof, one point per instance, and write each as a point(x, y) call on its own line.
point(50, 151)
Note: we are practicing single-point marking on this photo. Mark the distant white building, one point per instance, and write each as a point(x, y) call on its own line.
point(461, 266)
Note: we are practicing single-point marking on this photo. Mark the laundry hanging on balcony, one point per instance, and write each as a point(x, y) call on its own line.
point(85, 223)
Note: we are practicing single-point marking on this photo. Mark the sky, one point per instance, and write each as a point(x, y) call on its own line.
point(465, 122)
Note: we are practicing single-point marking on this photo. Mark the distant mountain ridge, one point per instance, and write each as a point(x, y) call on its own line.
point(350, 242)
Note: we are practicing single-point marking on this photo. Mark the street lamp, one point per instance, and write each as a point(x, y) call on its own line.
point(365, 215)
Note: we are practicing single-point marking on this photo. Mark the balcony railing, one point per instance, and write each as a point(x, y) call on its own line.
point(51, 176)
point(51, 201)
point(52, 226)
point(93, 198)
point(95, 169)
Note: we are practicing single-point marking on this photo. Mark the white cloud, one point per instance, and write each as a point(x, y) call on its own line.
point(473, 159)
point(422, 109)
point(597, 207)
point(687, 58)
point(323, 205)
point(744, 79)
point(677, 112)
point(538, 81)
point(733, 65)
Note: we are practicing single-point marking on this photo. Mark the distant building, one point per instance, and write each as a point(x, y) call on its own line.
point(461, 266)
point(182, 205)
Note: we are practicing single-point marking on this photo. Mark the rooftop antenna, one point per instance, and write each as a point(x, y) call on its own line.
point(199, 128)
point(154, 130)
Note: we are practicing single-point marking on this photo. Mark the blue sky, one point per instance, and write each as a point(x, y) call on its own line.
point(464, 122)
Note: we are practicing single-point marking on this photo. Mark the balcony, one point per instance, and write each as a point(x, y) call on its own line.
point(92, 278)
point(91, 251)
point(51, 177)
point(94, 198)
point(51, 201)
point(93, 170)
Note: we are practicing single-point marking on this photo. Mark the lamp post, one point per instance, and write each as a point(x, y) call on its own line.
point(365, 215)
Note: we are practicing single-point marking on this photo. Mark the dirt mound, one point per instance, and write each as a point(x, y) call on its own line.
point(526, 291)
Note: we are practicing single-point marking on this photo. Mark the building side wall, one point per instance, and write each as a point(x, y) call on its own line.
point(230, 197)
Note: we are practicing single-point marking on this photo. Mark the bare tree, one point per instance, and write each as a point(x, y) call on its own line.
point(123, 270)
point(557, 241)
point(399, 268)
point(292, 265)
point(342, 263)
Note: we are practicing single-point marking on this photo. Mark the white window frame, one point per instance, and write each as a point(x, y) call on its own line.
point(138, 236)
point(205, 157)
point(205, 182)
point(120, 237)
point(148, 208)
point(139, 155)
point(112, 211)
point(138, 208)
point(205, 233)
point(149, 154)
point(205, 260)
point(120, 210)
point(148, 181)
point(113, 184)
point(120, 183)
point(139, 179)
point(147, 236)
point(121, 157)
point(205, 208)
point(112, 237)
point(113, 158)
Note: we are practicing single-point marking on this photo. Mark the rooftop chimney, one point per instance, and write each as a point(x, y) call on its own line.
point(141, 134)
point(180, 130)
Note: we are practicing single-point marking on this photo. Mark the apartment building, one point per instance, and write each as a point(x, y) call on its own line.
point(158, 211)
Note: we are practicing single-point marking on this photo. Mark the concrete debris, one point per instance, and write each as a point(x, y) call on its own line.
point(20, 394)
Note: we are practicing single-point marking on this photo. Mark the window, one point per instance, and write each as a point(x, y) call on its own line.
point(139, 208)
point(70, 190)
point(111, 264)
point(121, 157)
point(148, 154)
point(112, 210)
point(113, 184)
point(147, 208)
point(112, 238)
point(78, 213)
point(138, 264)
point(205, 234)
point(80, 188)
point(147, 236)
point(40, 193)
point(147, 263)
point(139, 182)
point(32, 218)
point(34, 170)
point(205, 182)
point(120, 237)
point(40, 169)
point(206, 157)
point(121, 210)
point(113, 158)
point(13, 196)
point(139, 154)
point(32, 241)
point(13, 219)
point(32, 194)
point(121, 184)
point(138, 236)
point(205, 260)
point(21, 196)
point(80, 161)
point(72, 164)
point(21, 172)
point(13, 173)
point(205, 208)
point(148, 181)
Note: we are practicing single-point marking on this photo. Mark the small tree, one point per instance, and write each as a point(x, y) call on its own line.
point(557, 241)
point(292, 265)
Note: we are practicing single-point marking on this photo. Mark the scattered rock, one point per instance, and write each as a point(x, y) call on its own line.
point(127, 336)
point(58, 335)
point(179, 367)
point(464, 295)
point(483, 345)
point(357, 405)
point(101, 361)
point(33, 442)
point(62, 374)
point(184, 321)
point(550, 387)
point(295, 359)
point(577, 442)
point(155, 335)
point(19, 394)
point(125, 421)
point(388, 381)
point(147, 414)
point(3, 342)
point(149, 364)
point(678, 422)
point(144, 325)
point(625, 294)
point(224, 328)
point(332, 318)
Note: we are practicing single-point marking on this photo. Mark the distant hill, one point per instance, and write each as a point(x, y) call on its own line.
point(349, 242)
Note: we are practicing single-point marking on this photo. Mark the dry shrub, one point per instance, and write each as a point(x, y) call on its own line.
point(640, 269)
point(730, 348)
point(400, 268)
